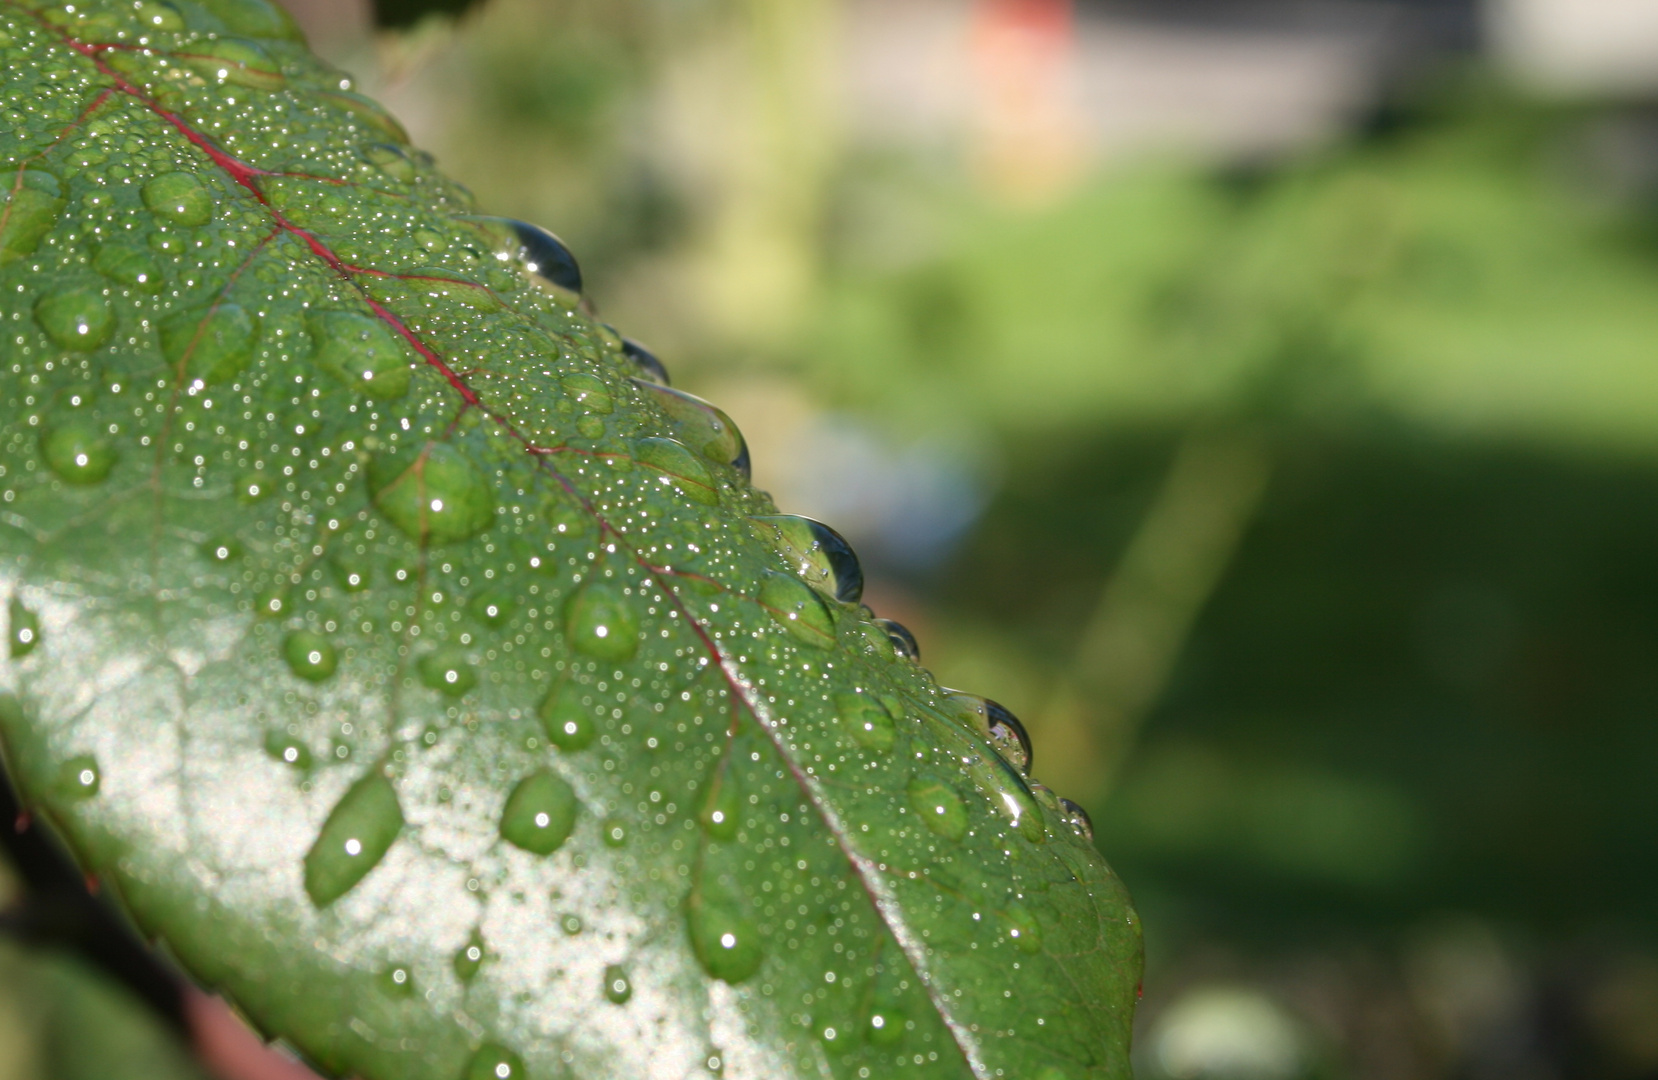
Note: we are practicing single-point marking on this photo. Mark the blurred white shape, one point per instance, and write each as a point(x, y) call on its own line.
point(1582, 46)
point(1231, 1032)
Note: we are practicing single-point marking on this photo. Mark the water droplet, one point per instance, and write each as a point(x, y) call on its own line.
point(996, 725)
point(22, 629)
point(353, 572)
point(363, 352)
point(369, 112)
point(650, 368)
point(492, 607)
point(221, 549)
point(678, 466)
point(155, 15)
point(726, 944)
point(1077, 818)
point(77, 318)
point(212, 343)
point(1046, 797)
point(129, 265)
point(819, 554)
point(469, 958)
point(493, 1062)
point(617, 988)
point(235, 61)
point(799, 609)
point(868, 722)
point(395, 162)
point(397, 980)
point(435, 495)
point(287, 749)
point(546, 256)
point(939, 806)
point(722, 814)
point(570, 923)
point(540, 813)
point(599, 621)
point(310, 655)
point(1005, 789)
point(885, 1027)
point(614, 832)
point(568, 723)
point(1023, 928)
point(358, 833)
point(31, 209)
point(448, 672)
point(179, 198)
point(254, 486)
point(77, 452)
point(79, 778)
point(703, 427)
point(271, 602)
point(590, 392)
point(903, 642)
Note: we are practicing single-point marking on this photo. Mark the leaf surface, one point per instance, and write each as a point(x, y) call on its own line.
point(411, 662)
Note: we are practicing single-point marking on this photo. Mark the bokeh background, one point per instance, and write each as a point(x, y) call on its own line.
point(1258, 397)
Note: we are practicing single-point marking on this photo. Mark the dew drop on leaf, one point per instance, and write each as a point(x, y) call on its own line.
point(494, 1062)
point(997, 725)
point(700, 425)
point(546, 256)
point(540, 813)
point(397, 981)
point(567, 722)
point(77, 318)
point(722, 815)
point(355, 837)
point(885, 1027)
point(867, 721)
point(590, 392)
point(939, 806)
point(678, 466)
point(310, 655)
point(492, 607)
point(798, 609)
point(819, 554)
point(649, 367)
point(725, 942)
point(600, 622)
point(614, 832)
point(221, 549)
point(77, 452)
point(31, 209)
point(448, 672)
point(435, 494)
point(287, 749)
point(211, 343)
point(617, 987)
point(79, 777)
point(129, 265)
point(362, 352)
point(1077, 818)
point(469, 958)
point(22, 629)
point(903, 642)
point(178, 198)
point(1023, 928)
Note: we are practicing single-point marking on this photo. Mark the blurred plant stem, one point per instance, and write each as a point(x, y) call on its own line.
point(1146, 611)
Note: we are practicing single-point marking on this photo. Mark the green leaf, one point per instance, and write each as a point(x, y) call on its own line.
point(419, 675)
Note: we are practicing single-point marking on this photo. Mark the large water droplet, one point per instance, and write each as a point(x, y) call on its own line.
point(494, 1062)
point(363, 352)
point(567, 722)
point(78, 318)
point(722, 814)
point(678, 466)
point(30, 211)
point(617, 987)
point(310, 655)
point(939, 806)
point(725, 942)
point(996, 725)
point(799, 609)
point(819, 554)
point(447, 671)
point(705, 428)
point(599, 621)
point(179, 198)
point(903, 642)
point(358, 833)
point(22, 629)
point(469, 958)
point(1005, 789)
point(129, 265)
point(435, 495)
point(77, 452)
point(540, 813)
point(79, 778)
point(650, 368)
point(1077, 818)
point(212, 344)
point(546, 256)
point(867, 720)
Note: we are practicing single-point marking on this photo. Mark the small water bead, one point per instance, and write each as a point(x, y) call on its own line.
point(885, 1027)
point(726, 944)
point(540, 813)
point(997, 725)
point(798, 609)
point(447, 671)
point(22, 629)
point(590, 392)
point(570, 923)
point(819, 554)
point(397, 981)
point(600, 621)
point(492, 607)
point(722, 815)
point(613, 831)
point(79, 778)
point(567, 722)
point(211, 343)
point(178, 198)
point(1005, 789)
point(436, 494)
point(469, 958)
point(78, 453)
point(1046, 797)
point(287, 749)
point(1077, 818)
point(129, 265)
point(221, 549)
point(78, 318)
point(396, 163)
point(903, 642)
point(493, 1062)
point(617, 988)
point(678, 466)
point(939, 806)
point(33, 203)
point(310, 655)
point(363, 352)
point(650, 368)
point(156, 15)
point(353, 572)
point(254, 486)
point(867, 720)
point(271, 602)
point(1023, 928)
point(358, 833)
point(705, 428)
